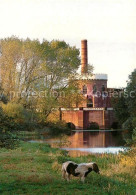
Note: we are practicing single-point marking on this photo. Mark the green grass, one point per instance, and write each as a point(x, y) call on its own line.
point(35, 168)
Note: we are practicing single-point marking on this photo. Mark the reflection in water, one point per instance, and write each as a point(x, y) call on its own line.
point(94, 139)
point(85, 142)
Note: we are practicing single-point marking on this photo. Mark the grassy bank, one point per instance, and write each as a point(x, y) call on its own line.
point(35, 168)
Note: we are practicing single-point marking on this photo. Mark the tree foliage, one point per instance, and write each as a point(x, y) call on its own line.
point(121, 109)
point(125, 106)
point(131, 100)
point(35, 74)
point(131, 91)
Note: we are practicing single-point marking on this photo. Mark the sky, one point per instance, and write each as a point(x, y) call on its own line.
point(108, 25)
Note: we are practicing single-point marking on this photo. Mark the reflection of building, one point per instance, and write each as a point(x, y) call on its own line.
point(95, 139)
point(85, 142)
point(97, 105)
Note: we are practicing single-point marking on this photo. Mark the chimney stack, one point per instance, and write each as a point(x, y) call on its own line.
point(84, 60)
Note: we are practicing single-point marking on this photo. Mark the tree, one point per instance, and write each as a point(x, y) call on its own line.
point(131, 103)
point(125, 106)
point(9, 59)
point(59, 62)
point(32, 72)
point(131, 91)
point(120, 109)
point(72, 96)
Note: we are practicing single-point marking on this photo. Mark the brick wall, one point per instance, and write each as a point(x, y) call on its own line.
point(75, 117)
point(99, 101)
point(81, 119)
point(93, 116)
point(109, 118)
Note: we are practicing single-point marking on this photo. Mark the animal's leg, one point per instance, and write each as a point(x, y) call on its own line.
point(83, 179)
point(80, 177)
point(63, 174)
point(68, 176)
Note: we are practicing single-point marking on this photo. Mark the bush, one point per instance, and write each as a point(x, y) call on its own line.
point(71, 126)
point(57, 128)
point(20, 115)
point(128, 124)
point(93, 126)
point(8, 140)
point(131, 140)
point(115, 125)
point(16, 111)
point(134, 137)
point(8, 127)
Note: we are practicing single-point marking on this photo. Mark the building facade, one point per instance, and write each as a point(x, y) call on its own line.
point(96, 109)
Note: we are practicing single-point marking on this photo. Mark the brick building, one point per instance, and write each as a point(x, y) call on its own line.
point(97, 105)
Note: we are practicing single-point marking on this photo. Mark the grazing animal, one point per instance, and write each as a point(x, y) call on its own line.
point(78, 170)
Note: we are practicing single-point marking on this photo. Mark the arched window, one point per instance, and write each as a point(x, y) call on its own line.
point(94, 89)
point(84, 89)
point(89, 102)
point(103, 88)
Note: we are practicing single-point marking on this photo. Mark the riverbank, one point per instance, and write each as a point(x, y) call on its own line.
point(35, 168)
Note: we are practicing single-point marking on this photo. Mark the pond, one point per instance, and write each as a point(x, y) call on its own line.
point(83, 142)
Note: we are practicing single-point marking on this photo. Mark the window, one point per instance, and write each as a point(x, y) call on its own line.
point(103, 88)
point(94, 89)
point(89, 102)
point(84, 89)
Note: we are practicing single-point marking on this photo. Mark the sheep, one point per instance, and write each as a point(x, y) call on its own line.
point(78, 170)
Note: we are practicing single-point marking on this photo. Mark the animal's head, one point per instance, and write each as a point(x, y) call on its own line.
point(95, 168)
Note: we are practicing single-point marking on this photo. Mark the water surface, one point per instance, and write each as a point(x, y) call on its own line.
point(83, 142)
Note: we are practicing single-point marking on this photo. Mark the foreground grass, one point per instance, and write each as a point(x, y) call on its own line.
point(35, 168)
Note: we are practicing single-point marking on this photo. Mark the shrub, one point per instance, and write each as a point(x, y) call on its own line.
point(57, 128)
point(20, 115)
point(134, 137)
point(16, 111)
point(71, 125)
point(115, 125)
point(132, 140)
point(8, 138)
point(130, 125)
point(93, 126)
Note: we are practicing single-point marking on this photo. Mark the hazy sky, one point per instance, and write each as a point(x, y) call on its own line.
point(108, 25)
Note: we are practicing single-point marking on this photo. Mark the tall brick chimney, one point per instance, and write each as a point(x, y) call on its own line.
point(84, 60)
